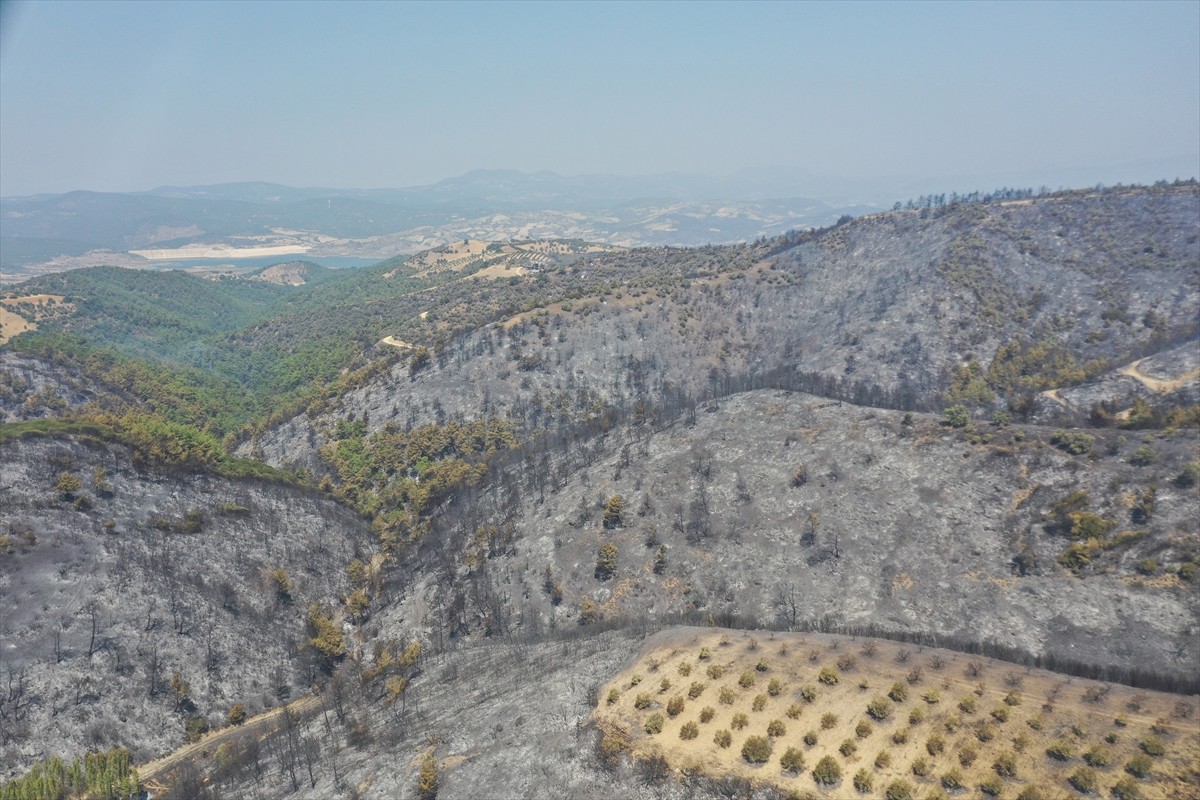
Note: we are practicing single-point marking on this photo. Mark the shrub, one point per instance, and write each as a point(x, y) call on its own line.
point(1084, 780)
point(1012, 699)
point(953, 780)
point(675, 705)
point(808, 693)
point(775, 687)
point(935, 744)
point(879, 709)
point(899, 692)
point(863, 782)
point(427, 778)
point(664, 685)
point(1074, 443)
point(1126, 789)
point(1153, 746)
point(1139, 766)
point(654, 723)
point(776, 728)
point(967, 755)
point(707, 713)
point(985, 732)
point(684, 669)
point(739, 721)
point(920, 767)
point(794, 711)
point(1031, 793)
point(900, 736)
point(696, 689)
point(792, 760)
point(236, 715)
point(723, 738)
point(828, 720)
point(613, 696)
point(1061, 750)
point(756, 749)
point(957, 416)
point(759, 703)
point(810, 738)
point(690, 730)
point(1006, 765)
point(863, 729)
point(194, 728)
point(883, 760)
point(899, 790)
point(848, 747)
point(705, 653)
point(968, 705)
point(932, 696)
point(1097, 757)
point(642, 701)
point(1143, 456)
point(1000, 713)
point(762, 665)
point(606, 561)
point(827, 772)
point(992, 787)
point(715, 671)
point(726, 696)
point(828, 676)
point(916, 716)
point(746, 680)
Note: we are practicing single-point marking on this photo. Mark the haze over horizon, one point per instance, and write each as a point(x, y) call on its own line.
point(132, 96)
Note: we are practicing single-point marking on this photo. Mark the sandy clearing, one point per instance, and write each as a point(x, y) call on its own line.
point(394, 342)
point(1157, 384)
point(12, 323)
point(221, 251)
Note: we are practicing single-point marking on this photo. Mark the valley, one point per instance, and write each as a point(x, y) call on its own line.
point(346, 532)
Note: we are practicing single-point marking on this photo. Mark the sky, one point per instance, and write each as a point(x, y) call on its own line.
point(130, 96)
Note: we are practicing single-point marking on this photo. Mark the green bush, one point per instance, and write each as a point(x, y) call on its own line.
point(715, 671)
point(723, 738)
point(759, 702)
point(810, 738)
point(920, 767)
point(828, 676)
point(953, 780)
point(808, 693)
point(828, 720)
point(1061, 750)
point(1139, 766)
point(992, 787)
point(739, 721)
point(707, 713)
point(696, 689)
point(792, 760)
point(726, 696)
point(827, 772)
point(863, 782)
point(690, 730)
point(967, 755)
point(968, 705)
point(957, 416)
point(883, 759)
point(1031, 793)
point(794, 711)
point(1076, 444)
point(879, 709)
point(863, 729)
point(935, 744)
point(899, 790)
point(1126, 789)
point(654, 723)
point(675, 705)
point(1097, 757)
point(1084, 780)
point(746, 680)
point(916, 716)
point(642, 701)
point(776, 728)
point(1153, 746)
point(775, 687)
point(848, 748)
point(899, 692)
point(756, 749)
point(1006, 765)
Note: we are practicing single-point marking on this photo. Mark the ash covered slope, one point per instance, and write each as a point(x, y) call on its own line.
point(137, 574)
point(788, 509)
point(882, 310)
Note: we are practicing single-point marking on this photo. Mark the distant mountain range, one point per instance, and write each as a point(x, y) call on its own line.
point(171, 226)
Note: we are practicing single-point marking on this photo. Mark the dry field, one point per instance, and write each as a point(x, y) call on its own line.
point(12, 322)
point(943, 723)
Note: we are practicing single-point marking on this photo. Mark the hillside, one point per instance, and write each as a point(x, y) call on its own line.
point(970, 425)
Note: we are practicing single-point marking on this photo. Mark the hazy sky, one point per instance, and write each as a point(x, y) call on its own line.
point(128, 96)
